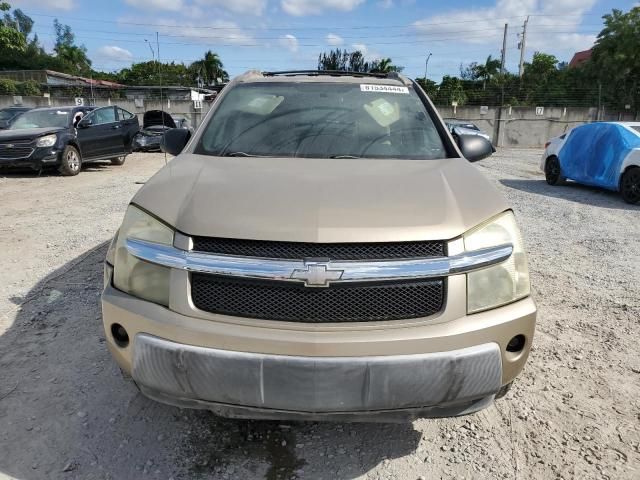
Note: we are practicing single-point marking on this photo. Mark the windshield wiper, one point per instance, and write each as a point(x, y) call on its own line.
point(343, 156)
point(239, 154)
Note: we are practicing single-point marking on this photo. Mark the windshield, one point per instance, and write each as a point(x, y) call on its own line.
point(8, 114)
point(42, 119)
point(322, 120)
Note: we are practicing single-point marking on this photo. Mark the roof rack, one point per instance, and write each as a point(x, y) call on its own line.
point(333, 73)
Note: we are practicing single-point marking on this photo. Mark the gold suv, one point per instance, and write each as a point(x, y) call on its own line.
point(321, 248)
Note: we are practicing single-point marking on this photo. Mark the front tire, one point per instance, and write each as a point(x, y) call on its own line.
point(71, 162)
point(118, 160)
point(553, 172)
point(630, 185)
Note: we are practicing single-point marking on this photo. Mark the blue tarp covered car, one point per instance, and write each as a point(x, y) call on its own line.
point(601, 154)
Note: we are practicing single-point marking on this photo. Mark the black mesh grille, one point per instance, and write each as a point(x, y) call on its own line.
point(339, 303)
point(14, 152)
point(333, 251)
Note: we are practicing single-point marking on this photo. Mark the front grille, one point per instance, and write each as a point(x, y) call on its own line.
point(15, 152)
point(333, 251)
point(295, 303)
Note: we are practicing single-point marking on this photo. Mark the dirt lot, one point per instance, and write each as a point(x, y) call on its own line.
point(66, 412)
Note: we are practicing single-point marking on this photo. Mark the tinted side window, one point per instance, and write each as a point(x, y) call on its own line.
point(104, 115)
point(124, 115)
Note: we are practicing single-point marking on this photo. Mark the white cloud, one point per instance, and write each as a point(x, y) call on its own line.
point(289, 42)
point(385, 3)
point(171, 5)
point(301, 8)
point(111, 52)
point(252, 7)
point(334, 40)
point(560, 31)
point(364, 49)
point(49, 4)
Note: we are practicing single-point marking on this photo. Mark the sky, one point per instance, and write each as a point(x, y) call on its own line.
point(289, 34)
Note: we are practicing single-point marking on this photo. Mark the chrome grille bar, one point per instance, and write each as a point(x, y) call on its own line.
point(314, 273)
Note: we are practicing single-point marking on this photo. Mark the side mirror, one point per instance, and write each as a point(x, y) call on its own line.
point(474, 147)
point(85, 123)
point(174, 140)
point(4, 124)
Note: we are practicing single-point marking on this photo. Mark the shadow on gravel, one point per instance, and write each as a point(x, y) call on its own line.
point(572, 191)
point(50, 172)
point(67, 412)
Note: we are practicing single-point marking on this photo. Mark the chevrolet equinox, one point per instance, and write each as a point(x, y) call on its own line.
point(320, 248)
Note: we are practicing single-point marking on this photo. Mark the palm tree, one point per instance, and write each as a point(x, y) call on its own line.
point(487, 71)
point(210, 69)
point(385, 65)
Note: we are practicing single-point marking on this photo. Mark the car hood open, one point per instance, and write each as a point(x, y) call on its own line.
point(157, 117)
point(320, 200)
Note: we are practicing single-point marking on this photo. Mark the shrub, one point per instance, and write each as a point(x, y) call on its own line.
point(8, 87)
point(29, 88)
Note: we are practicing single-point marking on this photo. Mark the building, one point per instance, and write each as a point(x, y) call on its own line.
point(57, 84)
point(579, 58)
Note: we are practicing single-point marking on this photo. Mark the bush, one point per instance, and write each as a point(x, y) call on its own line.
point(8, 87)
point(29, 88)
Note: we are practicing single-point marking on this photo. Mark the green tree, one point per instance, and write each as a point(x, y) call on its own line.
point(29, 88)
point(385, 65)
point(487, 71)
point(11, 39)
point(345, 61)
point(616, 58)
point(451, 90)
point(73, 58)
point(8, 87)
point(429, 86)
point(209, 71)
point(155, 73)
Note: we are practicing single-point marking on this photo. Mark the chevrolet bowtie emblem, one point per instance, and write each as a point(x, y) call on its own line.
point(316, 274)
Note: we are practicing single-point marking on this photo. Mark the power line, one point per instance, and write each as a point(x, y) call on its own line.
point(417, 24)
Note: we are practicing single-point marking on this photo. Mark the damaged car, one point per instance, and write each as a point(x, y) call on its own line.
point(67, 137)
point(154, 124)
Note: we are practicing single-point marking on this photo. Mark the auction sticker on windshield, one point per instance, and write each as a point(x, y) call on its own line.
point(383, 89)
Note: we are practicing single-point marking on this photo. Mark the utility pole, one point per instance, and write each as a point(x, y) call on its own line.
point(504, 47)
point(523, 46)
point(426, 66)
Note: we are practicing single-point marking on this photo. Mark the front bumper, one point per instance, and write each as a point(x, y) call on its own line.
point(314, 387)
point(39, 158)
point(444, 365)
point(146, 143)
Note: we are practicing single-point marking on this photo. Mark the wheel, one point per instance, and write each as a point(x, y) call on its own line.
point(553, 172)
point(118, 160)
point(71, 162)
point(630, 185)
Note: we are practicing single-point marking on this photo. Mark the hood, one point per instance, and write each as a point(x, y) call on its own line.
point(320, 200)
point(27, 133)
point(157, 117)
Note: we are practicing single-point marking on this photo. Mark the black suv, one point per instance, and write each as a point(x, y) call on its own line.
point(67, 137)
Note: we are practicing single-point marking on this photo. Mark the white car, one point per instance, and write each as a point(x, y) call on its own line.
point(602, 154)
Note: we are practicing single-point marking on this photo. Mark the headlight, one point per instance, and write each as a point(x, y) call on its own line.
point(47, 141)
point(136, 277)
point(504, 283)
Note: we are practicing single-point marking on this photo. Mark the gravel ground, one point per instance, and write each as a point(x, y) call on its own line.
point(66, 412)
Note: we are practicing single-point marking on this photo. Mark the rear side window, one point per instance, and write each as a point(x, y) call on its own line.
point(124, 115)
point(322, 120)
point(636, 128)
